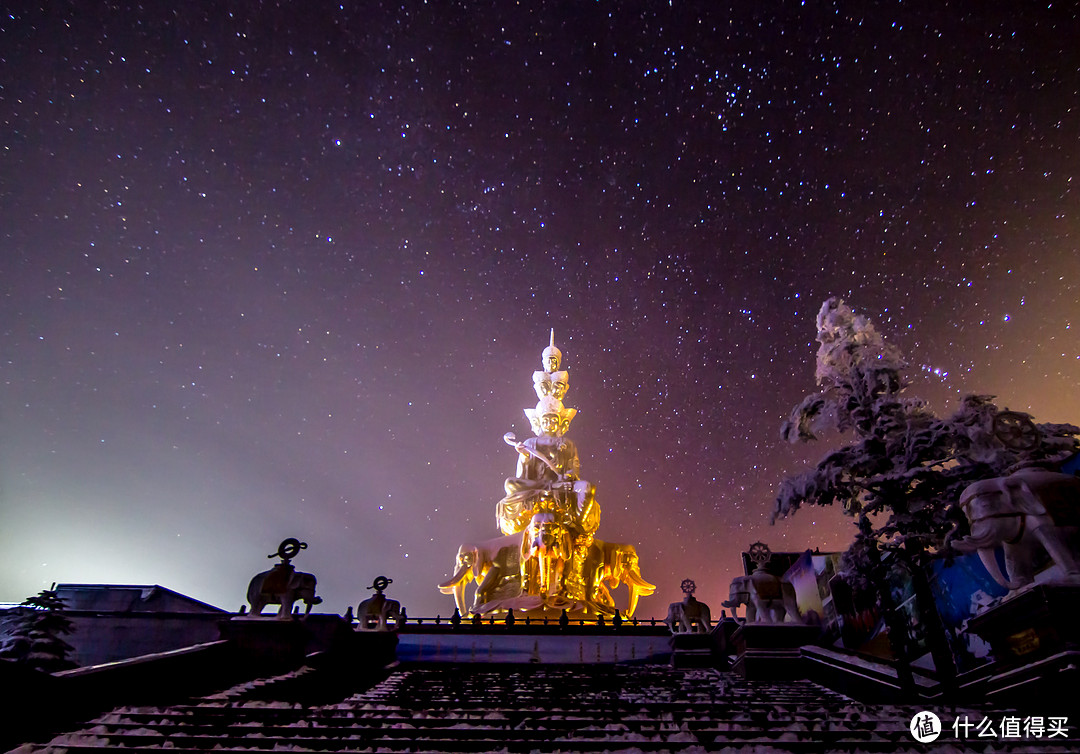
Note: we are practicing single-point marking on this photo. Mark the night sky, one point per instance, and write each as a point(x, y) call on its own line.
point(273, 270)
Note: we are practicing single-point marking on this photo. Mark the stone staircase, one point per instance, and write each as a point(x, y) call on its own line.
point(528, 708)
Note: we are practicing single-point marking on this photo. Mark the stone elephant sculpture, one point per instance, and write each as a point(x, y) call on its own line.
point(1023, 513)
point(486, 563)
point(689, 616)
point(768, 598)
point(282, 585)
point(614, 563)
point(375, 613)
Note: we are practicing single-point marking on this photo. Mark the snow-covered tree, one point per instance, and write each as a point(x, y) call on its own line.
point(32, 633)
point(904, 469)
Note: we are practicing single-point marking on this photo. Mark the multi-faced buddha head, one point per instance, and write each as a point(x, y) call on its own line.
point(550, 418)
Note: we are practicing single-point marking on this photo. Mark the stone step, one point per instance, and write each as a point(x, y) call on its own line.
point(791, 743)
point(526, 728)
point(523, 709)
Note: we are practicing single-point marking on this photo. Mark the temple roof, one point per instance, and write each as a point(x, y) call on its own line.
point(130, 598)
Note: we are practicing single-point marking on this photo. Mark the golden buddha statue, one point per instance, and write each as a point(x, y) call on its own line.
point(548, 475)
point(548, 558)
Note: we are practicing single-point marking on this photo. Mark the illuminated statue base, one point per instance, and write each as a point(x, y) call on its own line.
point(536, 606)
point(542, 571)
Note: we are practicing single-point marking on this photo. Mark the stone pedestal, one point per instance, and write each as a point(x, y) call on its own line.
point(694, 651)
point(771, 651)
point(1038, 622)
point(1035, 640)
point(275, 646)
point(268, 641)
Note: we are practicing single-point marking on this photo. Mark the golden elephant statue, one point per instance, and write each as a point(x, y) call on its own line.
point(486, 563)
point(607, 564)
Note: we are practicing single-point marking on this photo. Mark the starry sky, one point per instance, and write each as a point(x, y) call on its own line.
point(285, 269)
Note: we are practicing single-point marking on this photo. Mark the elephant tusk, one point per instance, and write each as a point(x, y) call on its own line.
point(456, 586)
point(462, 573)
point(989, 532)
point(989, 560)
point(640, 584)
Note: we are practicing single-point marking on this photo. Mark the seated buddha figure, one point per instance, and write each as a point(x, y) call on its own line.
point(547, 479)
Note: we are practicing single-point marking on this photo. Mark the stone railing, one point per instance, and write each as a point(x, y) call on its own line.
point(518, 624)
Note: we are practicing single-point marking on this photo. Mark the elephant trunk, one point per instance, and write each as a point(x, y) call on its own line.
point(459, 597)
point(738, 593)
